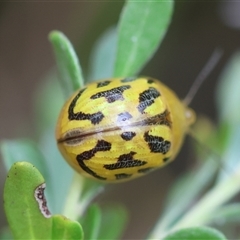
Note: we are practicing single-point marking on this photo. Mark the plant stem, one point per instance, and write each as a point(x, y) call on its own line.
point(72, 201)
point(79, 198)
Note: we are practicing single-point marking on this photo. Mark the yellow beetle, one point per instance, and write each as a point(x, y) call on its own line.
point(119, 129)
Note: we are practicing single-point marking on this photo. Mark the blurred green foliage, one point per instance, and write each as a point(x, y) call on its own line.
point(190, 201)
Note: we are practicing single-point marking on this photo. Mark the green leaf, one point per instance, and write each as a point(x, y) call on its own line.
point(91, 189)
point(190, 186)
point(228, 99)
point(103, 56)
point(226, 214)
point(228, 90)
point(46, 107)
point(63, 228)
point(231, 156)
point(60, 172)
point(91, 222)
point(27, 150)
point(23, 150)
point(67, 62)
point(117, 216)
point(141, 29)
point(197, 233)
point(210, 202)
point(5, 234)
point(200, 213)
point(80, 194)
point(106, 223)
point(26, 207)
point(21, 207)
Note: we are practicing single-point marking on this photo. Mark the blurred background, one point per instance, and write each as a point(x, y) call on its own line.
point(26, 57)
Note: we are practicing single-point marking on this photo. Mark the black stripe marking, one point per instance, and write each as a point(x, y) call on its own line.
point(91, 172)
point(101, 146)
point(95, 118)
point(103, 84)
point(157, 144)
point(159, 119)
point(147, 98)
point(127, 136)
point(71, 114)
point(112, 95)
point(125, 161)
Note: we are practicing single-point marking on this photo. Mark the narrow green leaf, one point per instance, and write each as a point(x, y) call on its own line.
point(5, 234)
point(228, 90)
point(114, 221)
point(226, 214)
point(106, 223)
point(91, 222)
point(60, 172)
point(67, 62)
point(81, 193)
point(141, 29)
point(46, 107)
point(91, 189)
point(26, 207)
point(197, 233)
point(190, 186)
point(103, 56)
point(231, 155)
point(228, 99)
point(199, 213)
point(23, 150)
point(210, 202)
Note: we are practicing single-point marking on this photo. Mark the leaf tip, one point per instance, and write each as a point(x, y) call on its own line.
point(54, 35)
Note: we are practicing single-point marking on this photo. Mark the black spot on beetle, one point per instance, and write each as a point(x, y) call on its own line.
point(150, 81)
point(127, 136)
point(103, 84)
point(125, 161)
point(113, 94)
point(157, 144)
point(166, 159)
point(146, 98)
point(129, 79)
point(145, 170)
point(101, 146)
point(95, 118)
point(122, 176)
point(124, 116)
